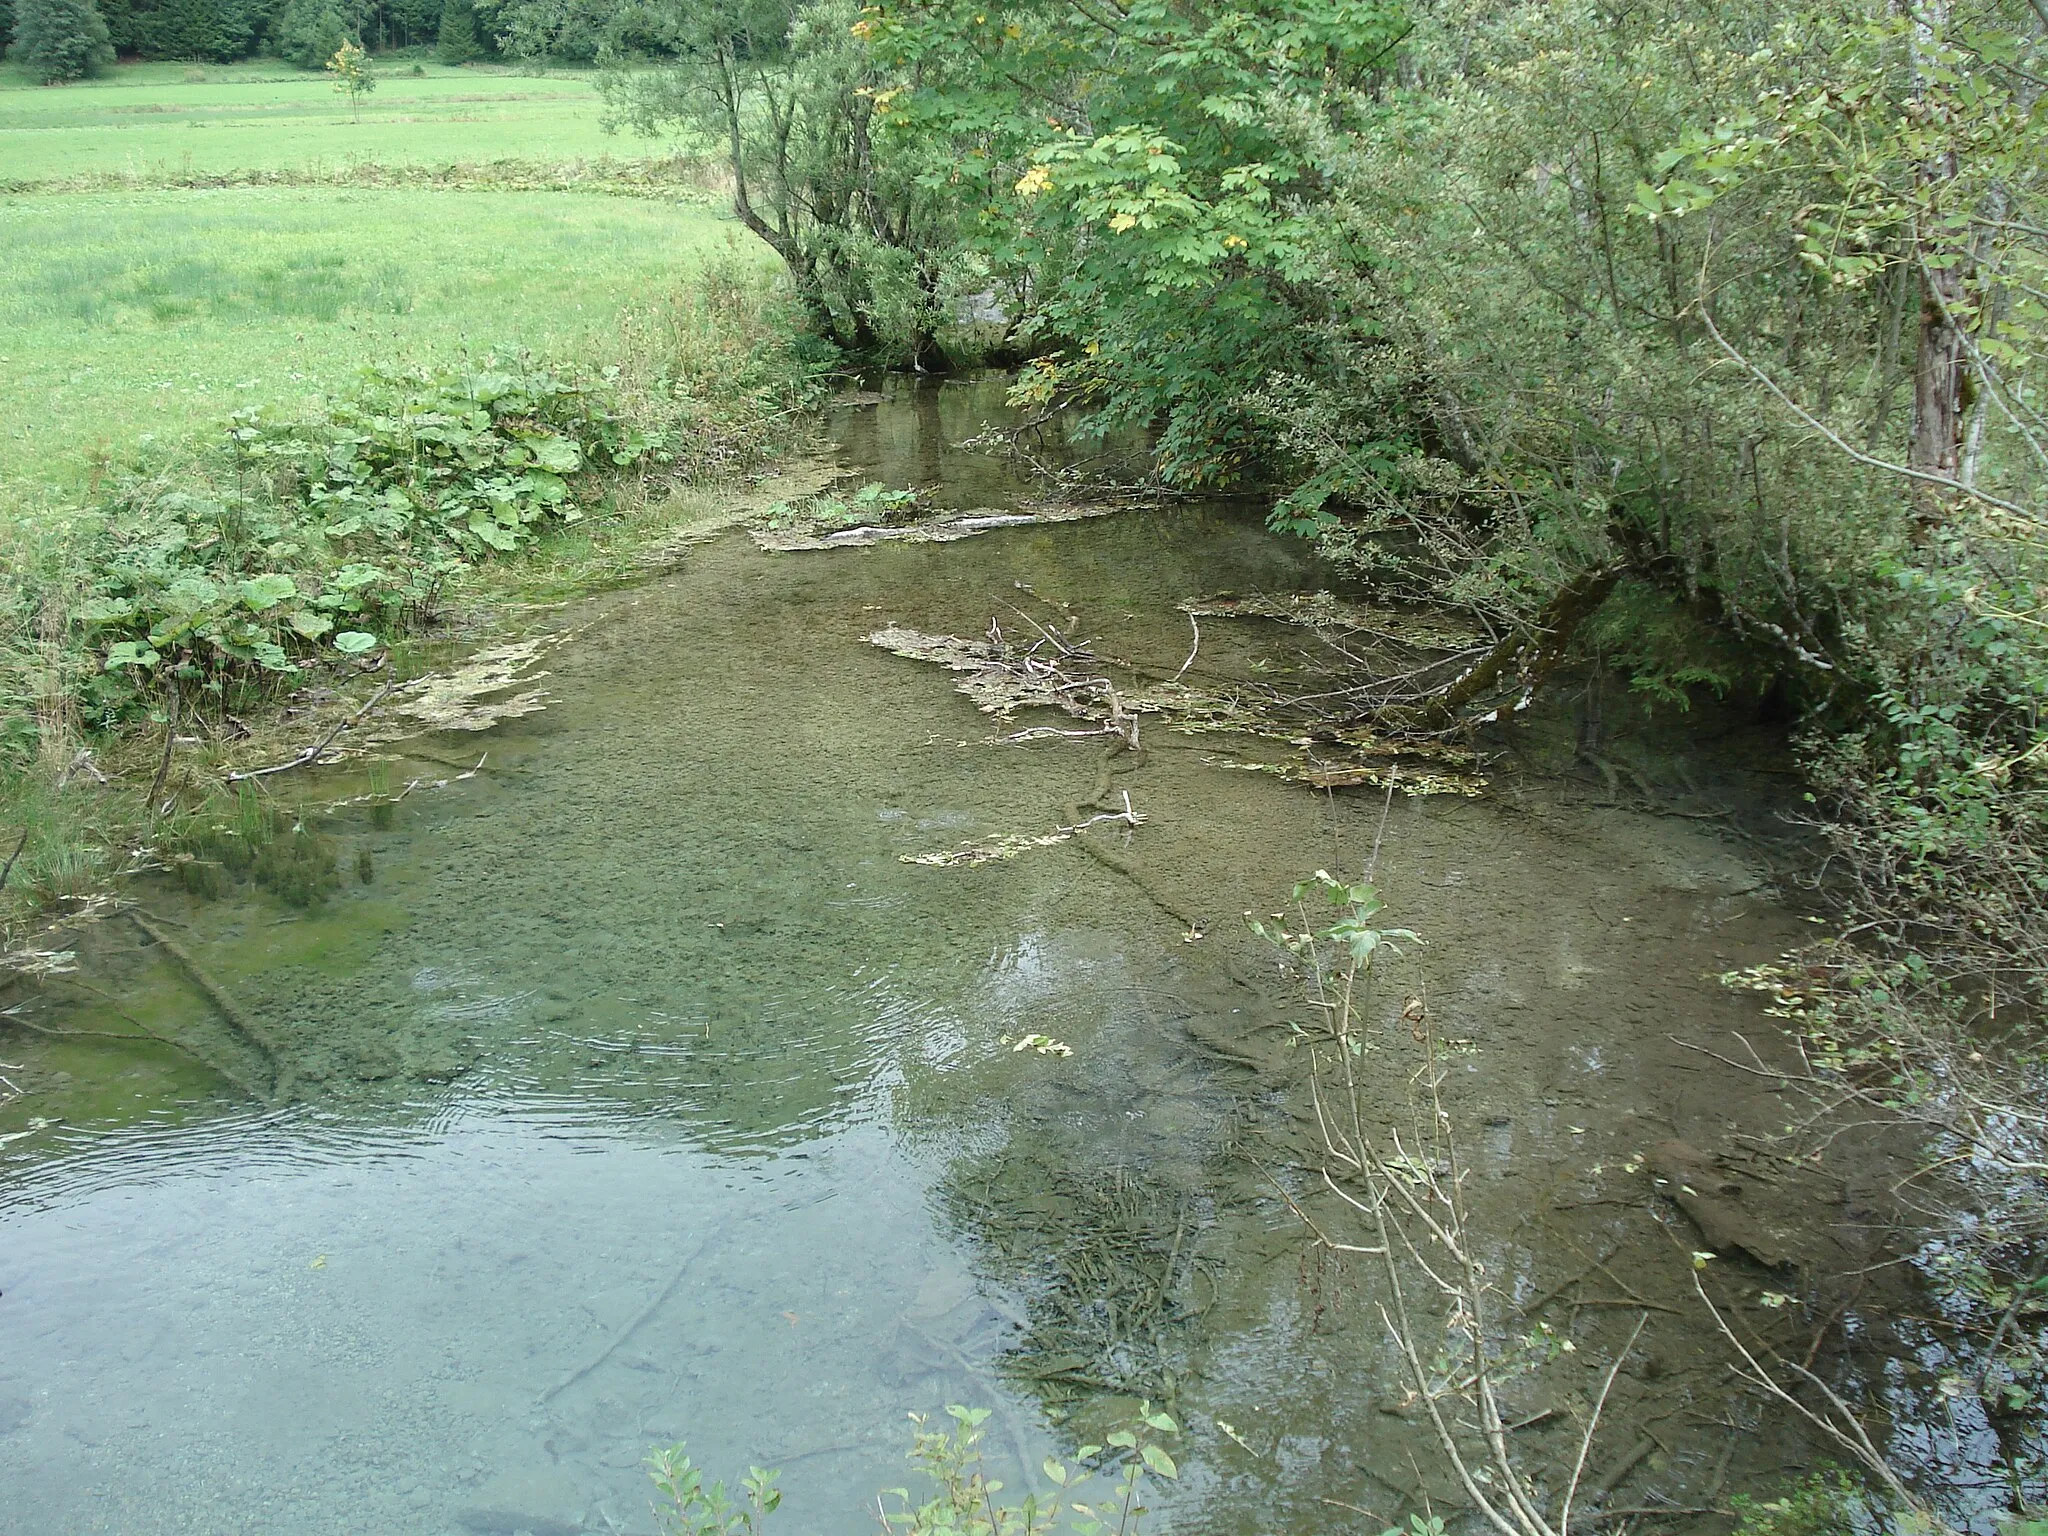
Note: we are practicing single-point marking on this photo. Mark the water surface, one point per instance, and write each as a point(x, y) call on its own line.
point(644, 1093)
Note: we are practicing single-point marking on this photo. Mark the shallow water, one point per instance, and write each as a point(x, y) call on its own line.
point(644, 1093)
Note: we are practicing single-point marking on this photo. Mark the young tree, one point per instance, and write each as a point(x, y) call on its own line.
point(353, 76)
point(61, 39)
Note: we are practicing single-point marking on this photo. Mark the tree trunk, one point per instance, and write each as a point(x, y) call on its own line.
point(1941, 360)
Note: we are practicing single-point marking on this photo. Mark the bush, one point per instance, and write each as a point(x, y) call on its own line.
point(336, 530)
point(61, 39)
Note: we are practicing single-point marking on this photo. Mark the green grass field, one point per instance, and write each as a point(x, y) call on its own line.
point(152, 120)
point(158, 311)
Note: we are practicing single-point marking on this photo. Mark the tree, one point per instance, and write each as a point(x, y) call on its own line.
point(353, 76)
point(458, 41)
point(789, 90)
point(61, 39)
point(308, 32)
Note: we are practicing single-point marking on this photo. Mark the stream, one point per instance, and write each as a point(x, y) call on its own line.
point(644, 1093)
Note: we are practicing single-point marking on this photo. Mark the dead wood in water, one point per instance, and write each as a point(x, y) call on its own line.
point(223, 1001)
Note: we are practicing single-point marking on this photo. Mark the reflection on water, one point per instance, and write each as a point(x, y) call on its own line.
point(646, 1094)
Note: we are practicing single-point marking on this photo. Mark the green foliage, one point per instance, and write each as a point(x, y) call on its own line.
point(457, 40)
point(57, 40)
point(1351, 934)
point(353, 74)
point(793, 98)
point(339, 529)
point(963, 1502)
point(1825, 1504)
point(691, 1507)
point(873, 505)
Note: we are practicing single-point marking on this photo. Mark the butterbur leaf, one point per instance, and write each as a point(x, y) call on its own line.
point(353, 642)
point(270, 656)
point(310, 624)
point(106, 610)
point(265, 592)
point(1159, 1461)
point(131, 653)
point(557, 453)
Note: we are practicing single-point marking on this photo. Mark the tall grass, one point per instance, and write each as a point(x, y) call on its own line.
point(139, 314)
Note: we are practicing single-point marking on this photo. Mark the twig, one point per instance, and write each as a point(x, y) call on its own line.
point(639, 1320)
point(313, 752)
point(1192, 651)
point(1860, 457)
point(221, 999)
point(1627, 1464)
point(19, 844)
point(163, 765)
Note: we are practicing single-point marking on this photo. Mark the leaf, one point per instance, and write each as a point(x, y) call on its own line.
point(264, 592)
point(558, 454)
point(310, 624)
point(1159, 1461)
point(1056, 1472)
point(353, 642)
point(106, 610)
point(130, 653)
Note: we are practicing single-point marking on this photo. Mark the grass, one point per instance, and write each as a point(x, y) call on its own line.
point(159, 313)
point(183, 242)
point(151, 121)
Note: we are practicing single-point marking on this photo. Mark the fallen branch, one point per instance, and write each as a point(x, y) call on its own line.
point(222, 1000)
point(313, 752)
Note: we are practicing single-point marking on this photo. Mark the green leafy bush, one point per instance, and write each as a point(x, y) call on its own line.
point(339, 529)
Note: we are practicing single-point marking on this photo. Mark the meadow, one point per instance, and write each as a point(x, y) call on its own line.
point(142, 314)
point(145, 122)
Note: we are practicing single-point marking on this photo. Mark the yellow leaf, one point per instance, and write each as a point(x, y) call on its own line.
point(1121, 222)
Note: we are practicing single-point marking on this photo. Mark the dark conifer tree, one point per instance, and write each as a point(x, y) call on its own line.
point(61, 39)
point(459, 41)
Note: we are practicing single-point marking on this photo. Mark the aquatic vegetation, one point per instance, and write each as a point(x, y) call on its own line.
point(260, 842)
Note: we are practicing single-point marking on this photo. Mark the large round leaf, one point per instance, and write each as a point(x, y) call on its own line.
point(261, 592)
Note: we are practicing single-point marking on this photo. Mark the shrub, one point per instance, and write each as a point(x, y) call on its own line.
point(338, 529)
